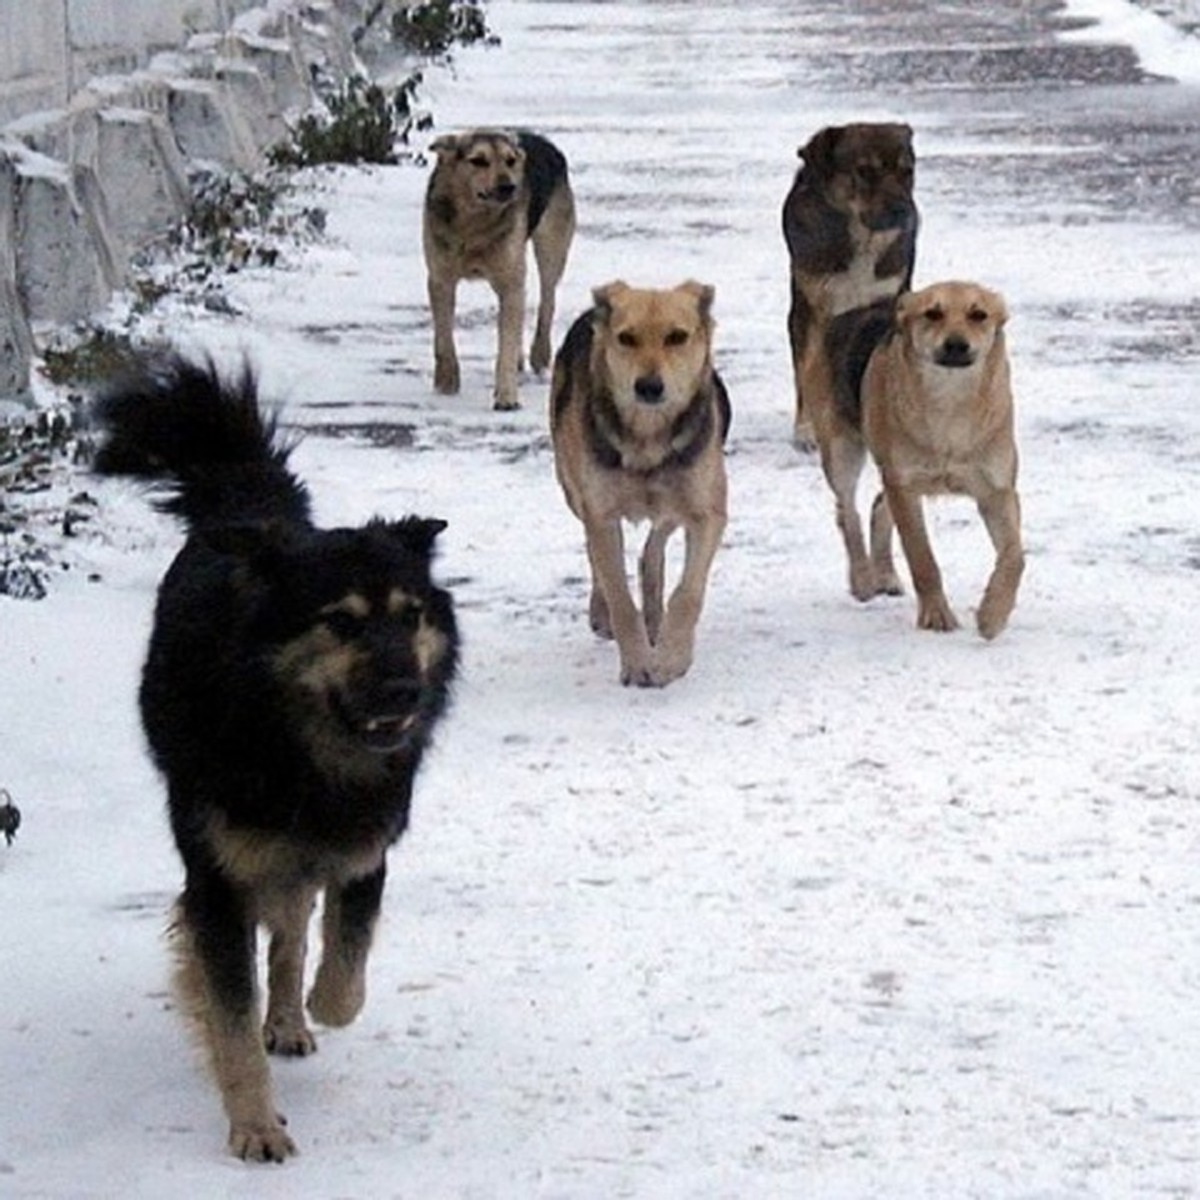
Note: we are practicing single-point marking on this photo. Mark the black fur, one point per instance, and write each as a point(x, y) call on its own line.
point(283, 695)
point(545, 170)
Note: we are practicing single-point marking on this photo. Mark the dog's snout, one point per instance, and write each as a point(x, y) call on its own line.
point(955, 352)
point(505, 189)
point(649, 388)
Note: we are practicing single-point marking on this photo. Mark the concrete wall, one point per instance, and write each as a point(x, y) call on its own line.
point(104, 107)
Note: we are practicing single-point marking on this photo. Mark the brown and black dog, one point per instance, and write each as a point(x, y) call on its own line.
point(938, 417)
point(850, 223)
point(639, 418)
point(491, 192)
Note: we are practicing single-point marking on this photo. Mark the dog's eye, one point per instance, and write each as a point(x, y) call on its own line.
point(977, 316)
point(409, 617)
point(627, 339)
point(510, 161)
point(342, 624)
point(934, 315)
point(677, 337)
point(479, 160)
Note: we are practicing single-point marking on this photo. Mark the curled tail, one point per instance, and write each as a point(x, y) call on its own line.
point(182, 423)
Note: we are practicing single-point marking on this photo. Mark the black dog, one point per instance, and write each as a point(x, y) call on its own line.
point(293, 679)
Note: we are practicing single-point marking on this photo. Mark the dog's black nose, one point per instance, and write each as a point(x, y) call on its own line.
point(955, 352)
point(649, 388)
point(504, 190)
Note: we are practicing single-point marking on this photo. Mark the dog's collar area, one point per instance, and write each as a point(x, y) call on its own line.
point(690, 432)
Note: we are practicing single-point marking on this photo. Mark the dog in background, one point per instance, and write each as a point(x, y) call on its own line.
point(293, 679)
point(850, 223)
point(490, 192)
point(938, 417)
point(639, 418)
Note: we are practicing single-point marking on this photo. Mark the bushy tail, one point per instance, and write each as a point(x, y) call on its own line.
point(181, 422)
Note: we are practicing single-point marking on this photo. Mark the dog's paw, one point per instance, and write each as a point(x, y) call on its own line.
point(446, 379)
point(506, 400)
point(289, 1039)
point(992, 617)
point(337, 997)
point(265, 1141)
point(935, 613)
point(803, 438)
point(863, 584)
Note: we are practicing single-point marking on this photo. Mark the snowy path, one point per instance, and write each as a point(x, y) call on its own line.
point(851, 911)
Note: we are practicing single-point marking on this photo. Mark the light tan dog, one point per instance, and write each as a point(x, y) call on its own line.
point(639, 418)
point(938, 417)
point(490, 193)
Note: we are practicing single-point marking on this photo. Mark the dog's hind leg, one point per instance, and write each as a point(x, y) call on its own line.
point(551, 243)
point(842, 458)
point(651, 572)
point(287, 917)
point(799, 318)
point(882, 562)
point(347, 927)
point(446, 375)
point(1001, 512)
point(933, 609)
point(215, 941)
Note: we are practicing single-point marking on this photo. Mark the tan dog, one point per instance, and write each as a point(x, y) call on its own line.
point(938, 417)
point(639, 418)
point(490, 193)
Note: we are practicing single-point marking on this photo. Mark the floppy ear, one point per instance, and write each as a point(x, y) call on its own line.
point(448, 143)
point(818, 153)
point(1001, 309)
point(906, 308)
point(603, 298)
point(703, 294)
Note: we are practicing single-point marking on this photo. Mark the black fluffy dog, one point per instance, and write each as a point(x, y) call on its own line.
point(293, 679)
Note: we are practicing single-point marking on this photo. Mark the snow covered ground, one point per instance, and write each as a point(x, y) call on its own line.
point(851, 910)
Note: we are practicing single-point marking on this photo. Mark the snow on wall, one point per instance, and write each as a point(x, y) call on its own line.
point(103, 106)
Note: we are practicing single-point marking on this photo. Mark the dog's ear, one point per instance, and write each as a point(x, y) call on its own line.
point(905, 309)
point(818, 152)
point(999, 309)
point(602, 298)
point(448, 143)
point(703, 293)
point(414, 533)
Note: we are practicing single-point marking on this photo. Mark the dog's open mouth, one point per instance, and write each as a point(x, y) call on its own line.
point(386, 732)
point(383, 729)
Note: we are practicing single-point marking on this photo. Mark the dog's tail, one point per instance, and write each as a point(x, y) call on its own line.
point(183, 423)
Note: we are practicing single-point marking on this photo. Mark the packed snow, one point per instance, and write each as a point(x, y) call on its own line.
point(851, 910)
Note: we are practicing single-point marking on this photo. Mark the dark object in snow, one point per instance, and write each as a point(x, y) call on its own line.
point(10, 817)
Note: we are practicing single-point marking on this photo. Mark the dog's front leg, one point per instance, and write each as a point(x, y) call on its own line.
point(446, 376)
point(1001, 512)
point(882, 562)
point(347, 927)
point(651, 573)
point(606, 553)
point(216, 945)
point(933, 609)
point(287, 917)
point(673, 655)
point(511, 295)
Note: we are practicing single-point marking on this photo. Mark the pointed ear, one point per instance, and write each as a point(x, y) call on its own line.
point(818, 153)
point(703, 294)
point(415, 533)
point(604, 296)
